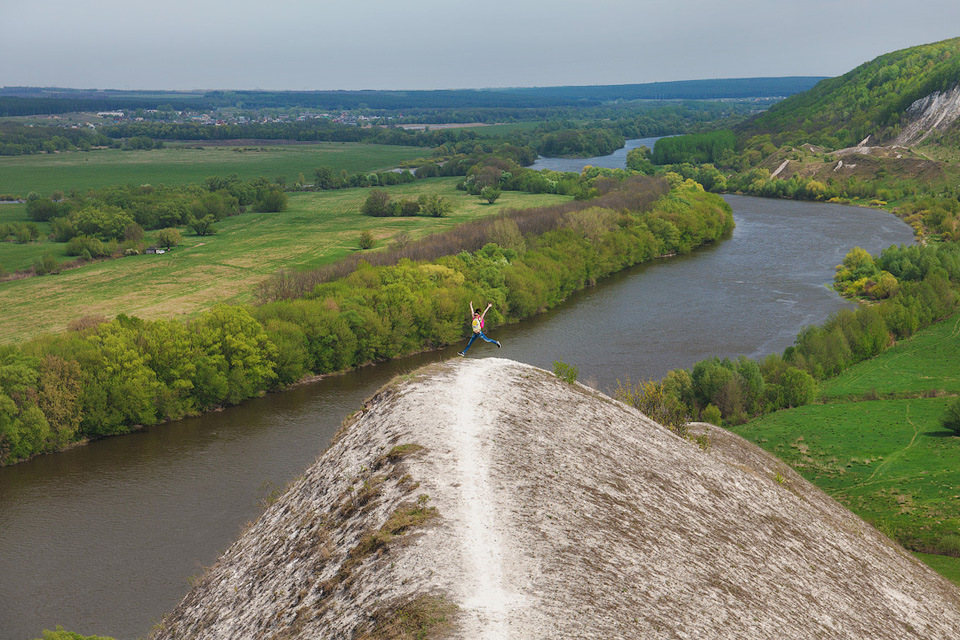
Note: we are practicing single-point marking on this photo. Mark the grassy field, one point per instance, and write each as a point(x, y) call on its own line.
point(316, 229)
point(179, 164)
point(888, 460)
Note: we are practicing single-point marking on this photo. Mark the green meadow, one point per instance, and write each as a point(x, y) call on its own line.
point(877, 445)
point(926, 363)
point(182, 164)
point(317, 228)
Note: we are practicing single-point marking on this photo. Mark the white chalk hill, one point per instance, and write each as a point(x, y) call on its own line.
point(483, 498)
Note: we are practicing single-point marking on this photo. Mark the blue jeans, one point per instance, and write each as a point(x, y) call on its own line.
point(474, 337)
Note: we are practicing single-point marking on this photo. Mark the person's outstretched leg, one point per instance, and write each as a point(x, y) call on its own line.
point(486, 338)
point(472, 338)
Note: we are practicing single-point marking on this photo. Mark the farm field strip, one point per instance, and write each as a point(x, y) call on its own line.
point(179, 164)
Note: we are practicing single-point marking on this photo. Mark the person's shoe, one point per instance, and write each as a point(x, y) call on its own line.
point(459, 353)
point(498, 344)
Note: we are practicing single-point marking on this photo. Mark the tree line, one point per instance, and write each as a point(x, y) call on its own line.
point(17, 139)
point(108, 377)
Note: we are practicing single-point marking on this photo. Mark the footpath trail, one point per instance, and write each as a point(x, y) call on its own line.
point(486, 604)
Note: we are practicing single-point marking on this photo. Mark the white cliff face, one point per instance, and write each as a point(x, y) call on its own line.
point(935, 112)
point(553, 511)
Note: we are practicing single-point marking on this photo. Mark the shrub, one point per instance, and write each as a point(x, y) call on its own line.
point(274, 201)
point(712, 415)
point(42, 210)
point(566, 372)
point(366, 240)
point(951, 417)
point(80, 244)
point(798, 387)
point(107, 222)
point(655, 401)
point(436, 206)
point(409, 207)
point(377, 204)
point(62, 229)
point(61, 634)
point(46, 264)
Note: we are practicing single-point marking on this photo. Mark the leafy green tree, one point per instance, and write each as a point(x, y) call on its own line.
point(273, 201)
point(58, 397)
point(798, 387)
point(106, 222)
point(435, 206)
point(325, 178)
point(204, 226)
point(638, 159)
point(120, 387)
point(42, 210)
point(168, 238)
point(490, 194)
point(377, 204)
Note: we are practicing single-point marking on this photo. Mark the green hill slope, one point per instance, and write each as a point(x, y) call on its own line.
point(877, 444)
point(870, 100)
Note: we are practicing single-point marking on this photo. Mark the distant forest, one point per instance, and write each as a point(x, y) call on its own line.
point(25, 101)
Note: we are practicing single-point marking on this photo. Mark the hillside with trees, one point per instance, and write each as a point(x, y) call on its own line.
point(870, 100)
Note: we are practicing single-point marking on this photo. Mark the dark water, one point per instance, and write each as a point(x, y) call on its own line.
point(616, 160)
point(103, 538)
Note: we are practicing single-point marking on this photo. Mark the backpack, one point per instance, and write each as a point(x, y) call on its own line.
point(477, 325)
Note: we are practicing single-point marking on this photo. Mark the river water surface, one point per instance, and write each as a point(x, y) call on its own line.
point(105, 537)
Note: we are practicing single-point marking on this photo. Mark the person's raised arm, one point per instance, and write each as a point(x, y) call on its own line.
point(485, 310)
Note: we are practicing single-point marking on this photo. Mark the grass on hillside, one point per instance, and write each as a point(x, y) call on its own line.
point(926, 363)
point(890, 461)
point(180, 164)
point(317, 228)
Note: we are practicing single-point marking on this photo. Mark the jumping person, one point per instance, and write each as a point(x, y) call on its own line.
point(477, 326)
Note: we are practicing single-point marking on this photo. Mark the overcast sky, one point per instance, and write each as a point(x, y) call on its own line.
point(434, 44)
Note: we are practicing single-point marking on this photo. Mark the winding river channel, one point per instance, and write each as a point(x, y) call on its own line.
point(104, 538)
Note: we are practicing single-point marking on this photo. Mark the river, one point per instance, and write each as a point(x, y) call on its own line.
point(104, 538)
point(616, 160)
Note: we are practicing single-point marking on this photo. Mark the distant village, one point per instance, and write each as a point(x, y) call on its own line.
point(217, 118)
point(209, 118)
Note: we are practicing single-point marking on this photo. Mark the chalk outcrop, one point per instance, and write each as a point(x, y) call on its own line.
point(482, 498)
point(933, 113)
